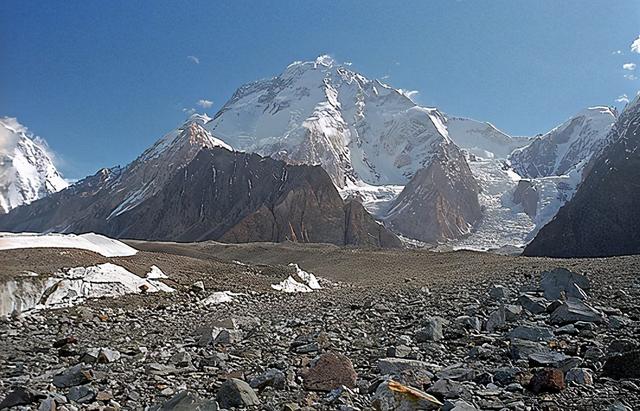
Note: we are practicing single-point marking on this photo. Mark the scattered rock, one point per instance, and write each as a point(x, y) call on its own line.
point(499, 292)
point(580, 376)
point(82, 394)
point(533, 304)
point(270, 378)
point(496, 320)
point(531, 333)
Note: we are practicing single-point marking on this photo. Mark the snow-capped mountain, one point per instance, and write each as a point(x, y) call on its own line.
point(603, 217)
point(26, 169)
point(319, 112)
point(569, 145)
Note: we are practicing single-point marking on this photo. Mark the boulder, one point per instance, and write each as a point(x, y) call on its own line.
point(188, 401)
point(624, 365)
point(236, 393)
point(393, 396)
point(533, 304)
point(547, 380)
point(496, 320)
point(574, 310)
point(76, 375)
point(561, 282)
point(499, 292)
point(20, 396)
point(270, 378)
point(432, 331)
point(83, 394)
point(531, 333)
point(329, 371)
point(580, 376)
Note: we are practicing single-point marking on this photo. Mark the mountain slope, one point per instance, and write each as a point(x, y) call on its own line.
point(440, 202)
point(603, 218)
point(569, 145)
point(26, 170)
point(317, 112)
point(189, 187)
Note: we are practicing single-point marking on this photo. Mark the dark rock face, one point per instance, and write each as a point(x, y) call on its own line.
point(440, 202)
point(527, 195)
point(603, 218)
point(218, 195)
point(625, 365)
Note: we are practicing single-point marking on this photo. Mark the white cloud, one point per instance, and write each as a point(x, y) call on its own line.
point(630, 77)
point(189, 111)
point(629, 66)
point(617, 52)
point(622, 99)
point(193, 59)
point(635, 46)
point(205, 103)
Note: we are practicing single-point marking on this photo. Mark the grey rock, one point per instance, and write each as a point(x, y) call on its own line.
point(432, 331)
point(581, 376)
point(270, 378)
point(236, 393)
point(561, 282)
point(181, 359)
point(76, 375)
point(496, 320)
point(531, 333)
point(198, 287)
point(188, 401)
point(533, 304)
point(505, 375)
point(20, 396)
point(82, 394)
point(574, 310)
point(456, 372)
point(499, 292)
point(445, 389)
point(512, 312)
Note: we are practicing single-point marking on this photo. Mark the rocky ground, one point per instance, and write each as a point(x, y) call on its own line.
point(405, 330)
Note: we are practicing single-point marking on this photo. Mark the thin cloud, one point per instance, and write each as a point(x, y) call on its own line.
point(630, 77)
point(617, 52)
point(205, 103)
point(635, 46)
point(622, 99)
point(189, 111)
point(193, 59)
point(629, 66)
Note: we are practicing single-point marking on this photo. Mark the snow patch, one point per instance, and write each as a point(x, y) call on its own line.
point(73, 286)
point(97, 243)
point(220, 297)
point(304, 282)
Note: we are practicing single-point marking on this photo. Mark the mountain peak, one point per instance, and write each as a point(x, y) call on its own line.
point(27, 171)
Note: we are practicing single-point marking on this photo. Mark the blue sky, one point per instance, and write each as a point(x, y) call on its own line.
point(100, 81)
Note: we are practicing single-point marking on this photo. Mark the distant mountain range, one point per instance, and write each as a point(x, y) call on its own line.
point(318, 154)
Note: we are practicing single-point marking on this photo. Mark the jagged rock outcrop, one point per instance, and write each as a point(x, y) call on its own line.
point(191, 187)
point(526, 195)
point(440, 202)
point(603, 218)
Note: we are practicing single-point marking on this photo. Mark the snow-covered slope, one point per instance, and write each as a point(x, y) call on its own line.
point(26, 170)
point(100, 244)
point(569, 145)
point(318, 112)
point(482, 139)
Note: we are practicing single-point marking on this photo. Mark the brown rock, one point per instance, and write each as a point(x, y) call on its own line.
point(547, 380)
point(329, 371)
